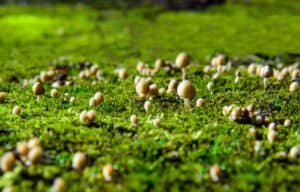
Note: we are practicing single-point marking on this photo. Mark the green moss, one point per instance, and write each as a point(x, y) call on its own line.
point(143, 156)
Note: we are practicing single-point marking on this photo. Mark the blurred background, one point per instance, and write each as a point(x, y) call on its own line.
point(121, 32)
point(171, 4)
point(174, 4)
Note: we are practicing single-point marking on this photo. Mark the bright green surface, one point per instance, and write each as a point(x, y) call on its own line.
point(30, 38)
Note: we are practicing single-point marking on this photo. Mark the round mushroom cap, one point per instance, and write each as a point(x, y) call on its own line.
point(142, 87)
point(186, 90)
point(59, 185)
point(38, 88)
point(35, 154)
point(159, 63)
point(294, 86)
point(182, 60)
point(267, 71)
point(7, 161)
point(2, 96)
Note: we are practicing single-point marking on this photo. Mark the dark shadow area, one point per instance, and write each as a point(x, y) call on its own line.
point(169, 4)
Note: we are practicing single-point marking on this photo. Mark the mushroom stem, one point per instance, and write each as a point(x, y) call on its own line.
point(186, 102)
point(184, 74)
point(266, 82)
point(236, 80)
point(39, 98)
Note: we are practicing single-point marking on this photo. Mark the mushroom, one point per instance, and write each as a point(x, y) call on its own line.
point(218, 60)
point(84, 117)
point(252, 68)
point(187, 91)
point(272, 135)
point(79, 161)
point(97, 99)
point(294, 152)
point(7, 161)
point(72, 99)
point(123, 74)
point(142, 88)
point(215, 173)
point(22, 148)
point(2, 96)
point(200, 102)
point(237, 76)
point(294, 86)
point(266, 73)
point(54, 93)
point(159, 63)
point(287, 123)
point(108, 171)
point(34, 142)
point(210, 86)
point(35, 154)
point(38, 90)
point(156, 122)
point(9, 189)
point(172, 87)
point(182, 61)
point(17, 110)
point(272, 126)
point(147, 105)
point(153, 89)
point(59, 185)
point(94, 69)
point(134, 119)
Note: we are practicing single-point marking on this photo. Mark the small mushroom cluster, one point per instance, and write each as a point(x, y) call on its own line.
point(246, 114)
point(97, 99)
point(88, 117)
point(292, 71)
point(90, 71)
point(122, 73)
point(217, 66)
point(159, 64)
point(27, 152)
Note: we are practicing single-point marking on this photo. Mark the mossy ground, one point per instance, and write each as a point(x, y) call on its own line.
point(32, 37)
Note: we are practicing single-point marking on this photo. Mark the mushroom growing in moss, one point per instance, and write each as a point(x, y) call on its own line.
point(59, 185)
point(266, 73)
point(172, 87)
point(294, 86)
point(200, 102)
point(38, 90)
point(17, 110)
point(182, 61)
point(215, 172)
point(79, 161)
point(8, 161)
point(186, 91)
point(2, 96)
point(35, 154)
point(237, 76)
point(54, 93)
point(134, 119)
point(142, 88)
point(22, 148)
point(123, 74)
point(108, 171)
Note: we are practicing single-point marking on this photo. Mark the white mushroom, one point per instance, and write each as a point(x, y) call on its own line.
point(182, 61)
point(79, 161)
point(266, 73)
point(186, 91)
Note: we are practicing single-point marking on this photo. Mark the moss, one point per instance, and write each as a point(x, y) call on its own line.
point(177, 155)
